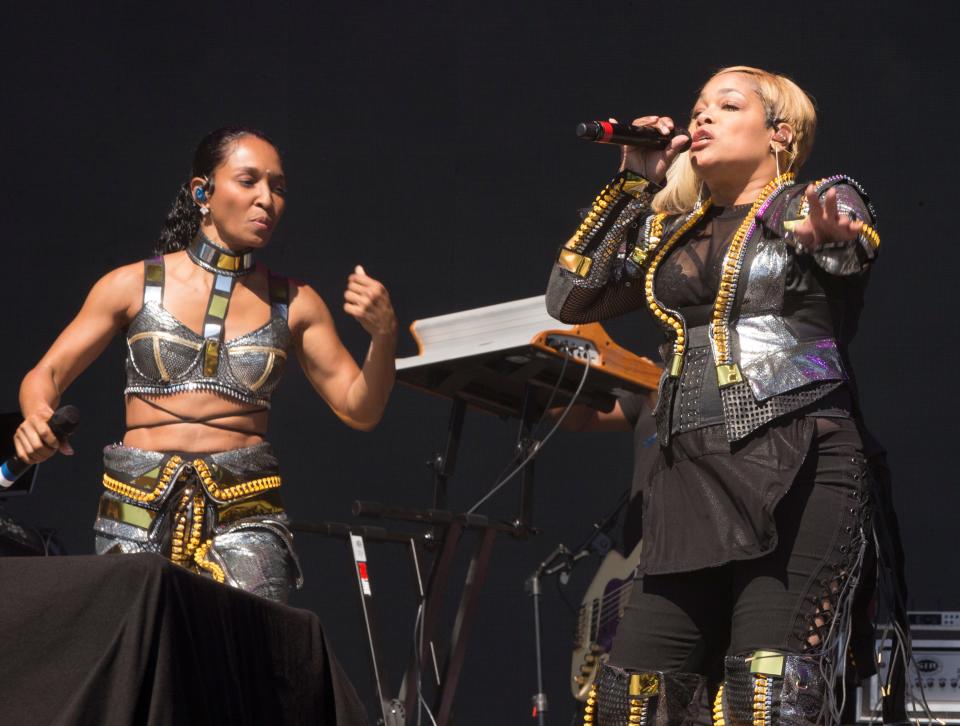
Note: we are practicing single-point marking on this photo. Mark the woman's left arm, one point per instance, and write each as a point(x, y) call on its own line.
point(837, 231)
point(358, 396)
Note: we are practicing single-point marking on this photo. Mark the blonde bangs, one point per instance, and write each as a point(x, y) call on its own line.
point(784, 102)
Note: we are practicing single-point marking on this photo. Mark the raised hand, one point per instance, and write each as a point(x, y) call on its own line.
point(368, 302)
point(824, 224)
point(649, 163)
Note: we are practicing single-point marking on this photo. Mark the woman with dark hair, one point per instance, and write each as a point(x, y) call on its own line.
point(208, 332)
point(756, 517)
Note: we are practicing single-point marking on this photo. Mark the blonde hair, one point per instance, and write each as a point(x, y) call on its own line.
point(783, 101)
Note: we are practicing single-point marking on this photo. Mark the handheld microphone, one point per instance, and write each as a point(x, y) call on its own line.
point(644, 137)
point(62, 423)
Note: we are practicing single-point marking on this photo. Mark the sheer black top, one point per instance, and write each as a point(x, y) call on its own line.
point(708, 502)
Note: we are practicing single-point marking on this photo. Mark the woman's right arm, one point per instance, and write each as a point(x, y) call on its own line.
point(110, 305)
point(583, 285)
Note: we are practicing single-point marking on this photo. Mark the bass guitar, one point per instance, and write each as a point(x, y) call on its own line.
point(600, 614)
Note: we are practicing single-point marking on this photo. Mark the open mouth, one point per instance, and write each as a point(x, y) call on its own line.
point(701, 139)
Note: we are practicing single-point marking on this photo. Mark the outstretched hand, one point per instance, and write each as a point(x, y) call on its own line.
point(368, 301)
point(824, 224)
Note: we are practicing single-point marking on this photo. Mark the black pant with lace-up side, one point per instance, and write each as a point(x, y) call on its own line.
point(790, 600)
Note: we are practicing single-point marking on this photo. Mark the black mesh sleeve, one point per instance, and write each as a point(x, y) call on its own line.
point(589, 280)
point(572, 304)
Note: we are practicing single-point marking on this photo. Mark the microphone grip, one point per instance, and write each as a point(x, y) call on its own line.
point(645, 137)
point(11, 470)
point(62, 423)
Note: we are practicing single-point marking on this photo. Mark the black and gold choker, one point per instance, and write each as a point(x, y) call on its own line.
point(218, 260)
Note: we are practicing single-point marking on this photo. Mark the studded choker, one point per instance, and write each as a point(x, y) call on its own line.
point(218, 260)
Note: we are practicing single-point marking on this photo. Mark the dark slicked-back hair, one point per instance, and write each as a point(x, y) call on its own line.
point(183, 220)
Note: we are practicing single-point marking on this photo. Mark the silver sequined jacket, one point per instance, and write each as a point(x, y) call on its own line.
point(777, 339)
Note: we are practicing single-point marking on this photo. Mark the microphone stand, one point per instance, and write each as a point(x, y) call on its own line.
point(562, 561)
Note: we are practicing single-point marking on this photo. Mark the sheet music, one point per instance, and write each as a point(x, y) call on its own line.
point(481, 330)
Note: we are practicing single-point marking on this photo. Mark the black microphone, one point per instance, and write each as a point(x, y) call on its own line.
point(62, 423)
point(644, 137)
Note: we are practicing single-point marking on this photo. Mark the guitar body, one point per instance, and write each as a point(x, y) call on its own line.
point(599, 616)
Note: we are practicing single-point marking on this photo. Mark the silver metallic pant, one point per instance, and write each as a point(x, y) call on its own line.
point(219, 514)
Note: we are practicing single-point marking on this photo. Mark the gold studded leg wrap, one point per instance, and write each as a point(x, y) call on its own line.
point(741, 688)
point(771, 689)
point(590, 709)
point(718, 719)
point(763, 688)
point(624, 698)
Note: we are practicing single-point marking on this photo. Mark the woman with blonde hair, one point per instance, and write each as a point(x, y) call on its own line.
point(756, 517)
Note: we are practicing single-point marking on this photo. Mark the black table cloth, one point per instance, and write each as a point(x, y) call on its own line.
point(134, 639)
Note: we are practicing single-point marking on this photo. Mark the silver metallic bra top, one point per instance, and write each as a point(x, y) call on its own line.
point(164, 356)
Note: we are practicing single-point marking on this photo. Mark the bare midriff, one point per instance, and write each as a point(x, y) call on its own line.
point(193, 437)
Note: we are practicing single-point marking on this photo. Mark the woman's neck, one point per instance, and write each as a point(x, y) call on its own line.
point(206, 254)
point(213, 237)
point(729, 191)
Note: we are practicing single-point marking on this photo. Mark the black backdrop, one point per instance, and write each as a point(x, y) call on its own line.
point(432, 142)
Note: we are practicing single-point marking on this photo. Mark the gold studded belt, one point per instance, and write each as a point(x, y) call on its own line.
point(141, 499)
point(164, 476)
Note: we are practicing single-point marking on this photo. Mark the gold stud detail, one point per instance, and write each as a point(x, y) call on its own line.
point(760, 688)
point(656, 233)
point(871, 235)
point(138, 495)
point(591, 706)
point(254, 486)
point(204, 563)
point(730, 274)
point(718, 719)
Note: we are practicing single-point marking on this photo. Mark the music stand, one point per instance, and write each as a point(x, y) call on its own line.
point(509, 360)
